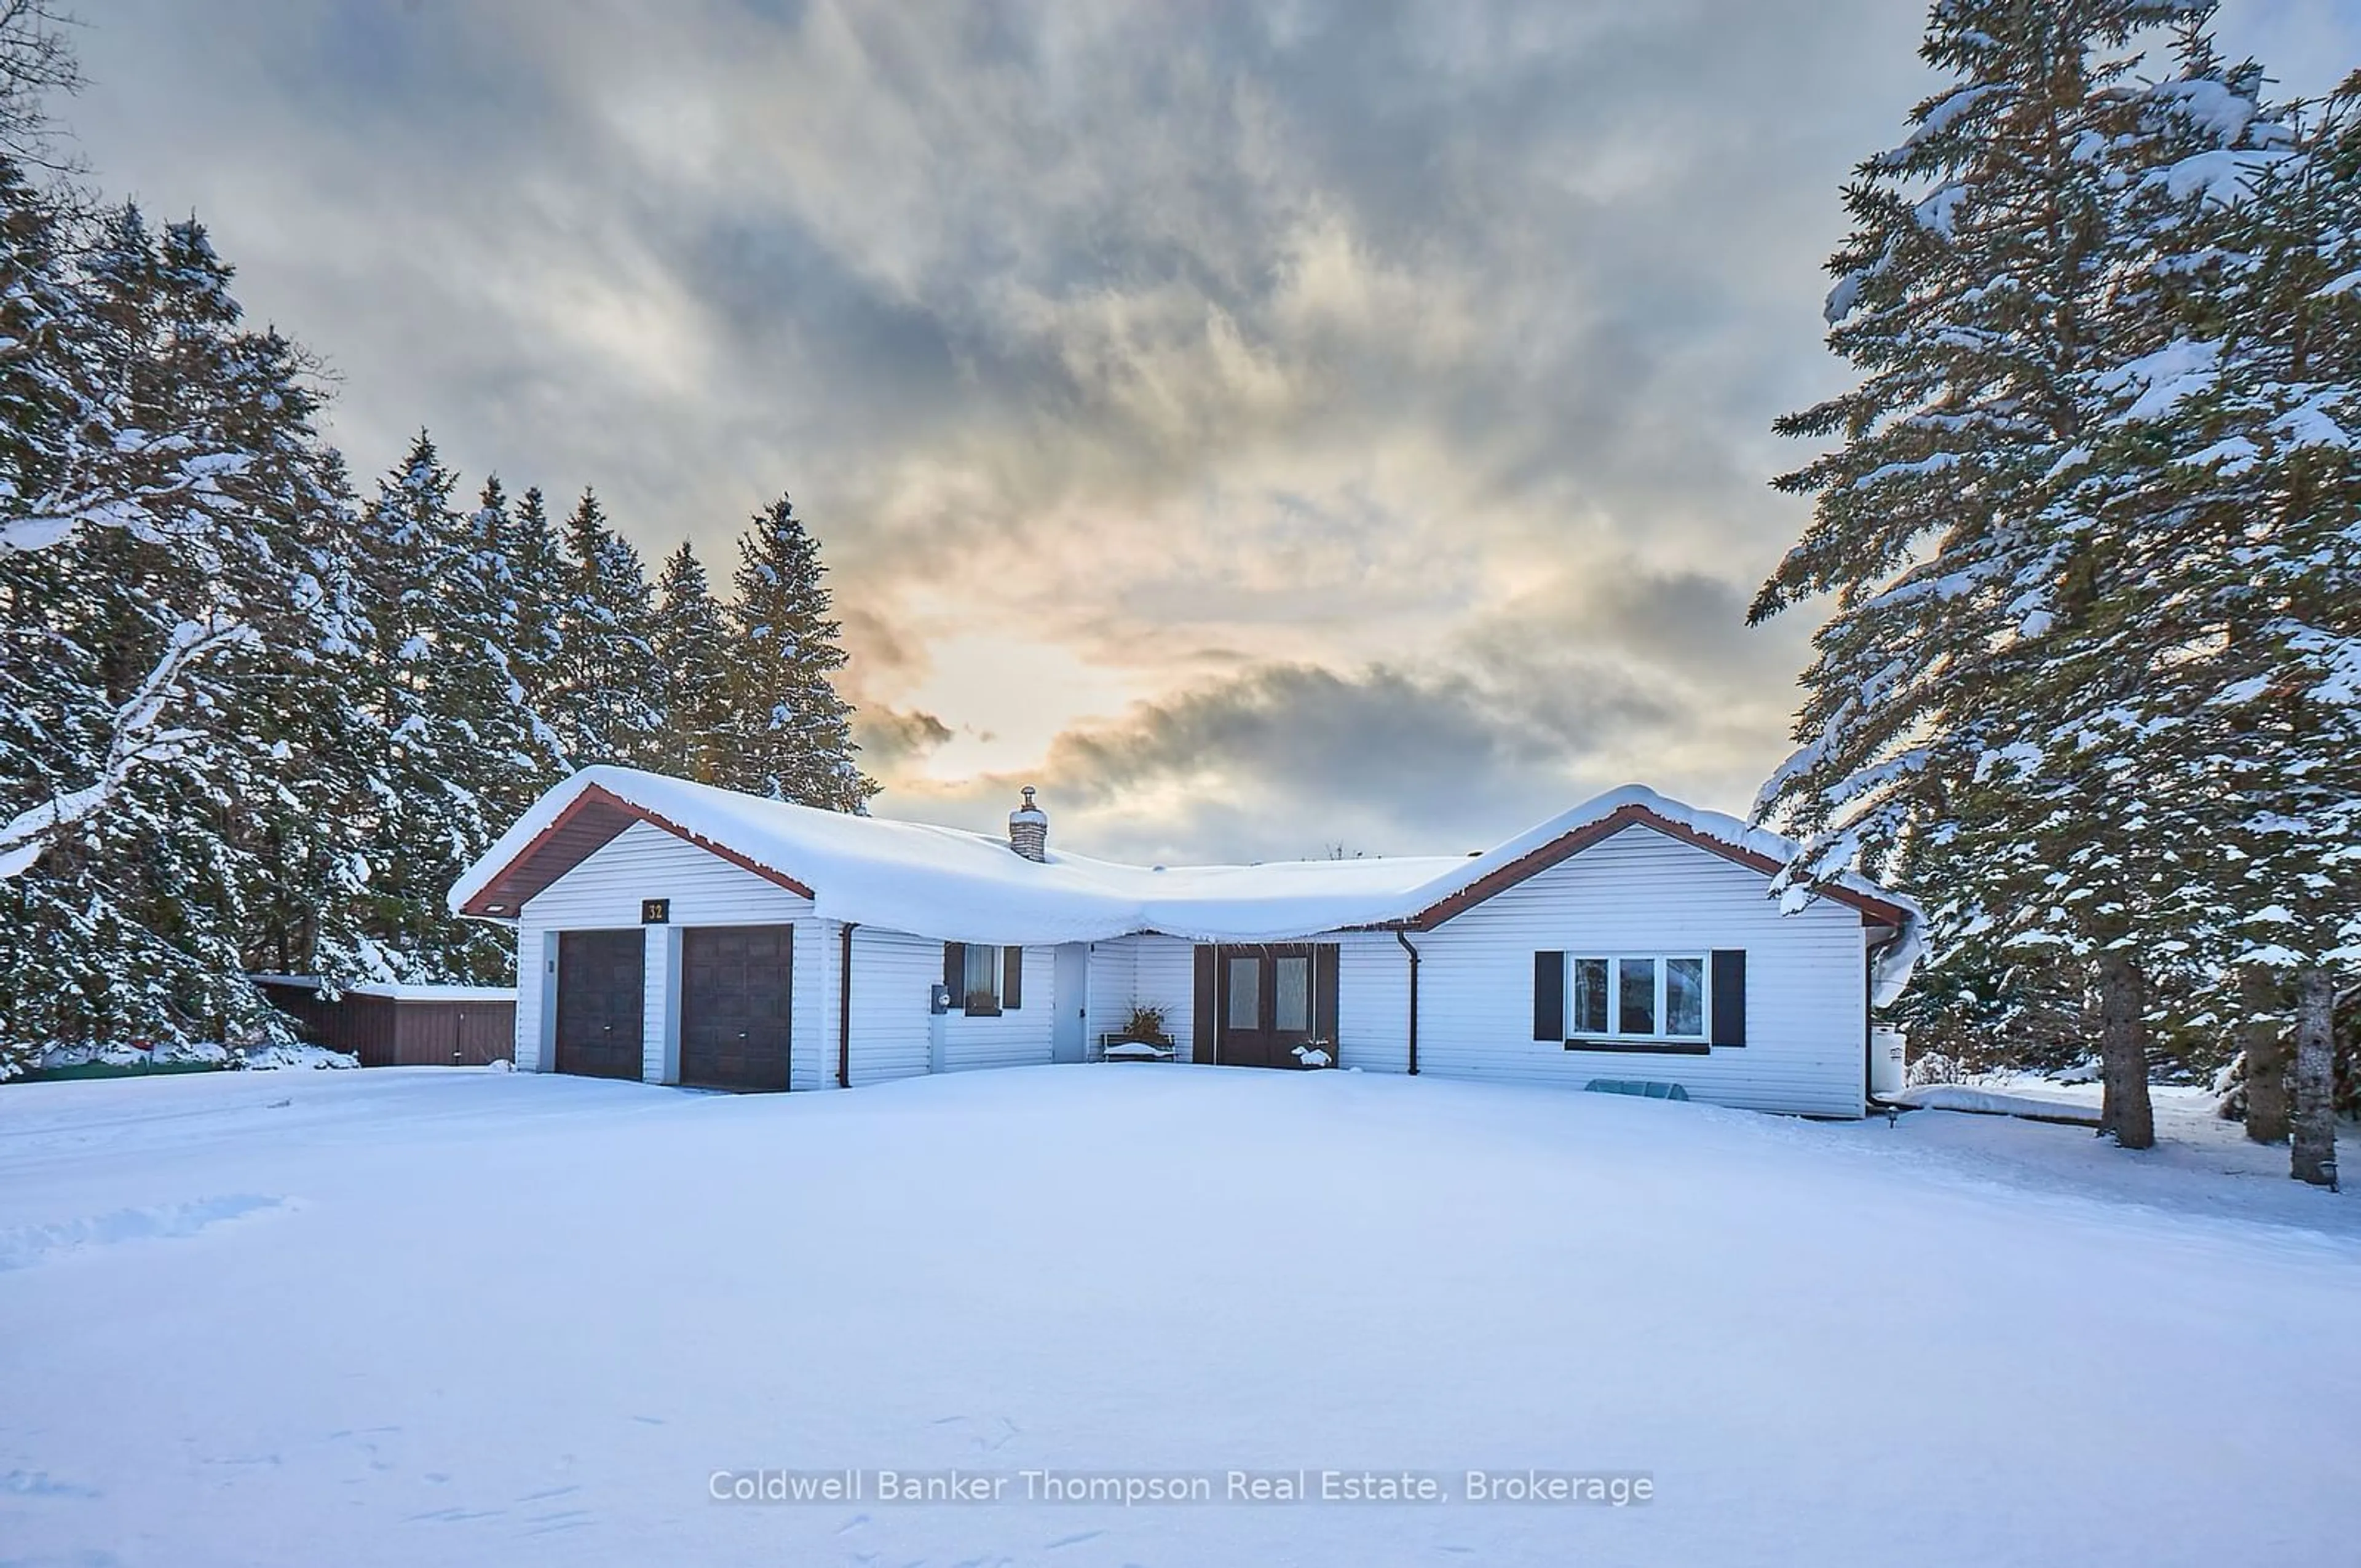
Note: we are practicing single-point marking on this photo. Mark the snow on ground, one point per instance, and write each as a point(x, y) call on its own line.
point(407, 1316)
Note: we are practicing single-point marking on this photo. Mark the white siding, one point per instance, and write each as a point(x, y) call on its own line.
point(819, 965)
point(1165, 975)
point(892, 977)
point(1018, 1038)
point(1114, 980)
point(1641, 891)
point(1372, 1000)
point(604, 893)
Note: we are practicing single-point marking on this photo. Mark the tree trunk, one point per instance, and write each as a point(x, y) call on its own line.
point(2123, 1052)
point(2315, 1156)
point(2264, 1035)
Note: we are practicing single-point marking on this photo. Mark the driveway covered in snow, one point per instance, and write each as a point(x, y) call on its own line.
point(417, 1316)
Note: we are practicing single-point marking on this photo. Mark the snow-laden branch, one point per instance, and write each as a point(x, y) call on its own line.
point(144, 511)
point(141, 736)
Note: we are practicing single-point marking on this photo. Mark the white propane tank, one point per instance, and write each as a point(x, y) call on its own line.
point(1887, 1048)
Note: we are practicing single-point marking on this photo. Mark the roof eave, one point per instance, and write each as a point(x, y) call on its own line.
point(1575, 840)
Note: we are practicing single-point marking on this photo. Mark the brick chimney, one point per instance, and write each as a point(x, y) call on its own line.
point(1028, 829)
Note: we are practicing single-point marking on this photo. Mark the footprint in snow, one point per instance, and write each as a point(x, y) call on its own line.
point(1073, 1539)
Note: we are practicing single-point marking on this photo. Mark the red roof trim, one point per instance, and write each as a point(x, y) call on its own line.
point(1567, 845)
point(588, 823)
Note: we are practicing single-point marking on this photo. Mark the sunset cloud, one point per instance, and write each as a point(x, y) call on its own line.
point(1261, 427)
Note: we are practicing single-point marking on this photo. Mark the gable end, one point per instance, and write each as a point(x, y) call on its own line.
point(589, 822)
point(1875, 910)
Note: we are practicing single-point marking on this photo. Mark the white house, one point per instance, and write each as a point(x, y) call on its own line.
point(681, 934)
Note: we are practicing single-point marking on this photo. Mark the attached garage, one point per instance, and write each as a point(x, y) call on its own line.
point(736, 1004)
point(601, 1003)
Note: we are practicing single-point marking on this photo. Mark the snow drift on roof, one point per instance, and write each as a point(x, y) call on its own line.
point(955, 885)
point(394, 991)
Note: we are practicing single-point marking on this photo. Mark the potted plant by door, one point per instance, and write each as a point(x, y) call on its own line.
point(1141, 1038)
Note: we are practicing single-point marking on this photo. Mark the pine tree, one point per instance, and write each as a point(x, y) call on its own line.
point(1973, 294)
point(691, 642)
point(794, 735)
point(307, 826)
point(606, 703)
point(179, 584)
point(482, 693)
point(537, 588)
point(88, 461)
point(2104, 855)
point(452, 733)
point(2246, 427)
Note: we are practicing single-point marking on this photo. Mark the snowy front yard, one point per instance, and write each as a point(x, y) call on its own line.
point(416, 1316)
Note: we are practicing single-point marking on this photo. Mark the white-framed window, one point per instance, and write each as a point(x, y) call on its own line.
point(1638, 997)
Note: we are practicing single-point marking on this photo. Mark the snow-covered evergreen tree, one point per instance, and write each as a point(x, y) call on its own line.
point(452, 730)
point(1973, 295)
point(165, 597)
point(605, 703)
point(482, 690)
point(2102, 859)
point(307, 816)
point(2235, 440)
point(537, 588)
point(692, 660)
point(793, 734)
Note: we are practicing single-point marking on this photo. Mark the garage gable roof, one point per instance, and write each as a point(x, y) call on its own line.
point(594, 818)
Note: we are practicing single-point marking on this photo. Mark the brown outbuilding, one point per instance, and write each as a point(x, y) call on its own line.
point(402, 1025)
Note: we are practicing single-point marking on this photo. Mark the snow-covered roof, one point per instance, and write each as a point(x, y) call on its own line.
point(394, 991)
point(955, 885)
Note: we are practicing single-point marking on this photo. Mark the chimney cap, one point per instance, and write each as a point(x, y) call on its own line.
point(1028, 812)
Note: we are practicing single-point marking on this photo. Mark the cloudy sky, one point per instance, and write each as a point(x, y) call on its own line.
point(1263, 427)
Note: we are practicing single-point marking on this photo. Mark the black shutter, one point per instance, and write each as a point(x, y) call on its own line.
point(1729, 997)
point(955, 974)
point(1327, 959)
point(1201, 1021)
point(1012, 979)
point(1549, 997)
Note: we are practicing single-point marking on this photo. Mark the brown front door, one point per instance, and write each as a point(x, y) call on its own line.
point(736, 995)
point(1269, 1002)
point(601, 1001)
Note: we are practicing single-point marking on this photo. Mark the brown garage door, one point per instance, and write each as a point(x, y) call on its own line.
point(601, 1001)
point(735, 992)
point(453, 1034)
